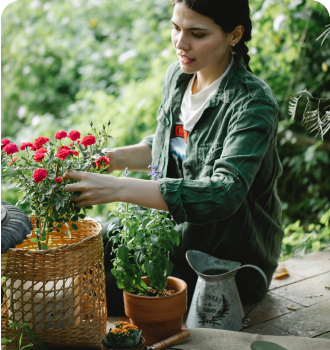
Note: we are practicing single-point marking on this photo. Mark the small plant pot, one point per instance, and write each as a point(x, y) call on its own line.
point(140, 346)
point(158, 317)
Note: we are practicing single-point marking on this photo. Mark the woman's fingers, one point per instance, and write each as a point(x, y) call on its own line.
point(72, 174)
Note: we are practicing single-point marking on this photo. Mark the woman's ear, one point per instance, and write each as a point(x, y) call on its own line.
point(237, 35)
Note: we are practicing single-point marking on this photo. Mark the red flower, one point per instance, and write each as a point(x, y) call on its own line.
point(74, 135)
point(5, 142)
point(25, 145)
point(74, 153)
point(62, 153)
point(39, 142)
point(39, 175)
point(10, 148)
point(88, 140)
point(58, 179)
point(60, 135)
point(72, 143)
point(64, 147)
point(40, 155)
point(14, 160)
point(102, 161)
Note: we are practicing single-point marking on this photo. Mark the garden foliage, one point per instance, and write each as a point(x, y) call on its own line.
point(68, 61)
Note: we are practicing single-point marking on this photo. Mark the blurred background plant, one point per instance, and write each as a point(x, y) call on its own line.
point(68, 61)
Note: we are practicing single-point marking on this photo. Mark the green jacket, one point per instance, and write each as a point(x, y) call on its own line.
point(226, 204)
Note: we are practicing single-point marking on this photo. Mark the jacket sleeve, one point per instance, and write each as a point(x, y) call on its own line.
point(250, 134)
point(148, 140)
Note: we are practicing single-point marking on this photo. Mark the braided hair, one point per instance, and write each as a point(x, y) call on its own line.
point(228, 14)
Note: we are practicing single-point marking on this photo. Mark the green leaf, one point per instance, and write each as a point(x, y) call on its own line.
point(4, 340)
point(34, 240)
point(128, 280)
point(154, 240)
point(106, 342)
point(169, 268)
point(74, 226)
point(82, 216)
point(148, 265)
point(29, 333)
point(120, 284)
point(43, 246)
point(13, 324)
point(27, 212)
point(123, 253)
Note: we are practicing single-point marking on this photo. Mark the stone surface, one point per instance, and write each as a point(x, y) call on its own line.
point(271, 306)
point(307, 292)
point(307, 322)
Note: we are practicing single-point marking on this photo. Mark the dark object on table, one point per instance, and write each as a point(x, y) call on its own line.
point(15, 226)
point(266, 345)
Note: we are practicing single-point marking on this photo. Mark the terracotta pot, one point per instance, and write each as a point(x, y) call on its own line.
point(158, 317)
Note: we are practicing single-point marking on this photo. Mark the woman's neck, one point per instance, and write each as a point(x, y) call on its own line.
point(206, 77)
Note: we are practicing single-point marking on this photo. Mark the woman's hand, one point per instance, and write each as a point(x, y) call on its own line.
point(95, 188)
point(102, 189)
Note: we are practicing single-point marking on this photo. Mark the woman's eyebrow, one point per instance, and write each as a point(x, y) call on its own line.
point(194, 28)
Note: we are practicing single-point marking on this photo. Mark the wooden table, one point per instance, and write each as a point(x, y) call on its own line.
point(296, 306)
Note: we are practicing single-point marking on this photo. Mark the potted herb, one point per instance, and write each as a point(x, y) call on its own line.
point(154, 301)
point(52, 277)
point(124, 336)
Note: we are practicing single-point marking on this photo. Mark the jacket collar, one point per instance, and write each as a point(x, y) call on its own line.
point(227, 88)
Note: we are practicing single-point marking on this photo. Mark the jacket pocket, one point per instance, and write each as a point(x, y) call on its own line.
point(209, 153)
point(163, 117)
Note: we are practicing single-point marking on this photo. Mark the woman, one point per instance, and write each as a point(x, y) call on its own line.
point(216, 145)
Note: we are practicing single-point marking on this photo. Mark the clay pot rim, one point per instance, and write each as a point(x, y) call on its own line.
point(181, 291)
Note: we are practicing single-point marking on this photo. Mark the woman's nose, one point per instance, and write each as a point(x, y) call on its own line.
point(182, 42)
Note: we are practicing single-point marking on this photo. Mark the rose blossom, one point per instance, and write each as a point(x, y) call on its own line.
point(64, 147)
point(40, 155)
point(102, 161)
point(25, 145)
point(39, 142)
point(59, 135)
point(74, 135)
point(88, 140)
point(58, 179)
point(74, 153)
point(72, 143)
point(5, 142)
point(39, 175)
point(10, 148)
point(62, 153)
point(14, 160)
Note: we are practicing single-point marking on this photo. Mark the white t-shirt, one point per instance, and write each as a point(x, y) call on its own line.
point(192, 108)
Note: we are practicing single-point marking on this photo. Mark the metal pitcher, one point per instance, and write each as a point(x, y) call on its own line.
point(216, 302)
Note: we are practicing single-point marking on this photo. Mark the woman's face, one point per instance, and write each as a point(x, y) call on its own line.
point(202, 46)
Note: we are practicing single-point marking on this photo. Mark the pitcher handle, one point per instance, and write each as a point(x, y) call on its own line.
point(246, 321)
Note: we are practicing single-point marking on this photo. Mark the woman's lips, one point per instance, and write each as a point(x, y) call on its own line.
point(186, 60)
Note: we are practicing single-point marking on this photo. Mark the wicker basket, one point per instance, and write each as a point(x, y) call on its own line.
point(59, 292)
point(140, 346)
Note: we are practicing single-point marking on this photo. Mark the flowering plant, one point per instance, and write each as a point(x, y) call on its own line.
point(124, 336)
point(38, 168)
point(141, 245)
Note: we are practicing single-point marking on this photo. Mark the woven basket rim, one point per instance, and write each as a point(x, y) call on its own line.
point(64, 246)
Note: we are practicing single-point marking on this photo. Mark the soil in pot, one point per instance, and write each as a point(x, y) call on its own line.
point(158, 317)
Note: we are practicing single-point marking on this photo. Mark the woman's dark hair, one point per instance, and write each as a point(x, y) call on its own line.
point(228, 14)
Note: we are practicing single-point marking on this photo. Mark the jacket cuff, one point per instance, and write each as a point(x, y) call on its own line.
point(148, 140)
point(171, 192)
